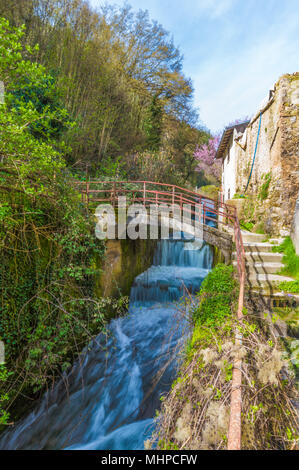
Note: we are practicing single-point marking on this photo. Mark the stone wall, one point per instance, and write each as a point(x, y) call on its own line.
point(275, 177)
point(295, 227)
point(124, 260)
point(221, 240)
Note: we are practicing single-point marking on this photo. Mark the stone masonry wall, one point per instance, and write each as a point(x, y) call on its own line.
point(295, 227)
point(275, 178)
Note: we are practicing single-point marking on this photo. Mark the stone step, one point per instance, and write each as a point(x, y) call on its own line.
point(276, 298)
point(263, 247)
point(266, 268)
point(249, 237)
point(267, 280)
point(276, 241)
point(261, 257)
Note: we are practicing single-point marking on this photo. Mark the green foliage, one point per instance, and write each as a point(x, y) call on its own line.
point(4, 397)
point(246, 225)
point(112, 307)
point(290, 286)
point(248, 219)
point(47, 245)
point(209, 190)
point(215, 297)
point(43, 95)
point(167, 445)
point(260, 228)
point(263, 192)
point(290, 258)
point(213, 309)
point(119, 76)
point(153, 125)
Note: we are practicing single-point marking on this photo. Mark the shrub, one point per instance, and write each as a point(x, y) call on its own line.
point(291, 286)
point(215, 296)
point(263, 193)
point(290, 259)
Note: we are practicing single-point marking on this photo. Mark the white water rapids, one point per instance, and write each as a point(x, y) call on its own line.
point(108, 399)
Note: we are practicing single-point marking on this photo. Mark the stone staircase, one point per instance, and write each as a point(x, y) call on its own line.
point(262, 266)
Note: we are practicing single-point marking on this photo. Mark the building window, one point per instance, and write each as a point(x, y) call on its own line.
point(228, 194)
point(228, 155)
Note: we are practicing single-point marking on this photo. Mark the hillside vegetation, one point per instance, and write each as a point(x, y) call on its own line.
point(119, 76)
point(86, 94)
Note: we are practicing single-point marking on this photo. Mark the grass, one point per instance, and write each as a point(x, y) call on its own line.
point(289, 315)
point(289, 286)
point(246, 225)
point(263, 193)
point(209, 190)
point(291, 262)
point(195, 413)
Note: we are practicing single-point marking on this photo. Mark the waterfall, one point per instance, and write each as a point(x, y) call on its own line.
point(108, 399)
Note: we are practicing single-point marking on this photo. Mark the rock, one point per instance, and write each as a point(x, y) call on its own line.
point(295, 227)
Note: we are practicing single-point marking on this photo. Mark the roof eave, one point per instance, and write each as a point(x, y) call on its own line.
point(226, 136)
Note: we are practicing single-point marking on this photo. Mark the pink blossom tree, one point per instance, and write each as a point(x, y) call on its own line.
point(205, 155)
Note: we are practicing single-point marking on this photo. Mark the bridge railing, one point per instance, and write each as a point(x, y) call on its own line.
point(149, 192)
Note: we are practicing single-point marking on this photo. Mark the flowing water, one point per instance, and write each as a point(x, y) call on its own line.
point(109, 398)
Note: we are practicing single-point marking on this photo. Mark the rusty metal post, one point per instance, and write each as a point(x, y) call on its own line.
point(114, 194)
point(234, 431)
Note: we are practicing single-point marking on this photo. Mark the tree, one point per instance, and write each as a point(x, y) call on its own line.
point(153, 125)
point(120, 78)
point(205, 156)
point(47, 245)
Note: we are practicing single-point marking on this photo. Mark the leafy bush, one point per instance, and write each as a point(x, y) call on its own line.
point(290, 258)
point(216, 296)
point(47, 245)
point(210, 190)
point(263, 193)
point(246, 225)
point(291, 286)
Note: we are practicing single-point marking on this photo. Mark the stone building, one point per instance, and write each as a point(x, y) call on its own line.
point(274, 182)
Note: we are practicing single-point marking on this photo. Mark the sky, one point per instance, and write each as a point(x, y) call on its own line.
point(234, 50)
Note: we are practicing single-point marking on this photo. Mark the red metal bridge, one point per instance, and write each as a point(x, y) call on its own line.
point(149, 192)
